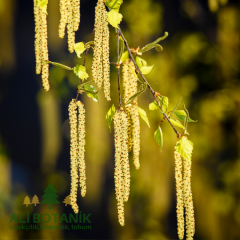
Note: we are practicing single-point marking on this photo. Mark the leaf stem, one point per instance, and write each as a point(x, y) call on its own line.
point(150, 88)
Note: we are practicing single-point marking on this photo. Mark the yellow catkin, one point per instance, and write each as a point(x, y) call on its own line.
point(81, 148)
point(124, 156)
point(64, 17)
point(132, 81)
point(135, 135)
point(44, 37)
point(76, 14)
point(97, 65)
point(105, 48)
point(70, 30)
point(118, 173)
point(188, 201)
point(38, 30)
point(73, 154)
point(179, 193)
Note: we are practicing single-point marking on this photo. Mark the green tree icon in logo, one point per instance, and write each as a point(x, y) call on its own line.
point(50, 197)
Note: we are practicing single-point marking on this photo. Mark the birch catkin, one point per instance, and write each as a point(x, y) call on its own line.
point(73, 154)
point(100, 64)
point(64, 18)
point(70, 29)
point(81, 148)
point(179, 192)
point(41, 44)
point(76, 14)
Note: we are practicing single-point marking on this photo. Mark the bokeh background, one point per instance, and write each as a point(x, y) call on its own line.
point(200, 62)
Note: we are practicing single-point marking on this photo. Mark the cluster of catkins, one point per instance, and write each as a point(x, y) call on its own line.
point(127, 138)
point(100, 64)
point(77, 150)
point(184, 196)
point(41, 44)
point(70, 17)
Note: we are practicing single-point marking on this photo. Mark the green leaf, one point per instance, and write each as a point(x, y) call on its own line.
point(164, 103)
point(91, 92)
point(176, 123)
point(145, 70)
point(154, 44)
point(158, 135)
point(153, 106)
point(114, 4)
point(140, 62)
point(59, 65)
point(114, 18)
point(80, 71)
point(175, 107)
point(181, 115)
point(79, 48)
point(185, 147)
point(130, 100)
point(109, 116)
point(143, 115)
point(43, 5)
point(124, 57)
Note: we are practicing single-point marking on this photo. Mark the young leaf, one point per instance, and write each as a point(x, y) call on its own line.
point(143, 115)
point(145, 70)
point(175, 107)
point(59, 65)
point(181, 115)
point(114, 18)
point(130, 100)
point(158, 135)
point(109, 116)
point(80, 71)
point(43, 5)
point(140, 62)
point(154, 44)
point(91, 92)
point(185, 147)
point(164, 103)
point(124, 57)
point(176, 123)
point(114, 4)
point(79, 48)
point(153, 106)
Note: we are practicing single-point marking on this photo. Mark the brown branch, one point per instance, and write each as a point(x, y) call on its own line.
point(150, 88)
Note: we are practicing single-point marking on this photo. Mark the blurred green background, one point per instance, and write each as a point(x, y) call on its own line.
point(200, 62)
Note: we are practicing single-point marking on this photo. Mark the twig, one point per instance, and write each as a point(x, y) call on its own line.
point(150, 88)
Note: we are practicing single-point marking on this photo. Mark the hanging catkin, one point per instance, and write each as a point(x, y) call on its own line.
point(100, 64)
point(64, 18)
point(76, 14)
point(179, 193)
point(41, 44)
point(73, 154)
point(70, 27)
point(81, 147)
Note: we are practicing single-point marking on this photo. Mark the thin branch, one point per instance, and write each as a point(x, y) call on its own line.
point(119, 90)
point(150, 88)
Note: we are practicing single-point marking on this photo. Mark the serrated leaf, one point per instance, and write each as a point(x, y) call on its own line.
point(176, 123)
point(114, 4)
point(43, 5)
point(130, 100)
point(185, 147)
point(124, 57)
point(91, 92)
point(181, 115)
point(140, 62)
point(153, 106)
point(158, 135)
point(154, 44)
point(143, 115)
point(59, 65)
point(80, 71)
point(114, 18)
point(145, 70)
point(164, 103)
point(79, 48)
point(109, 116)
